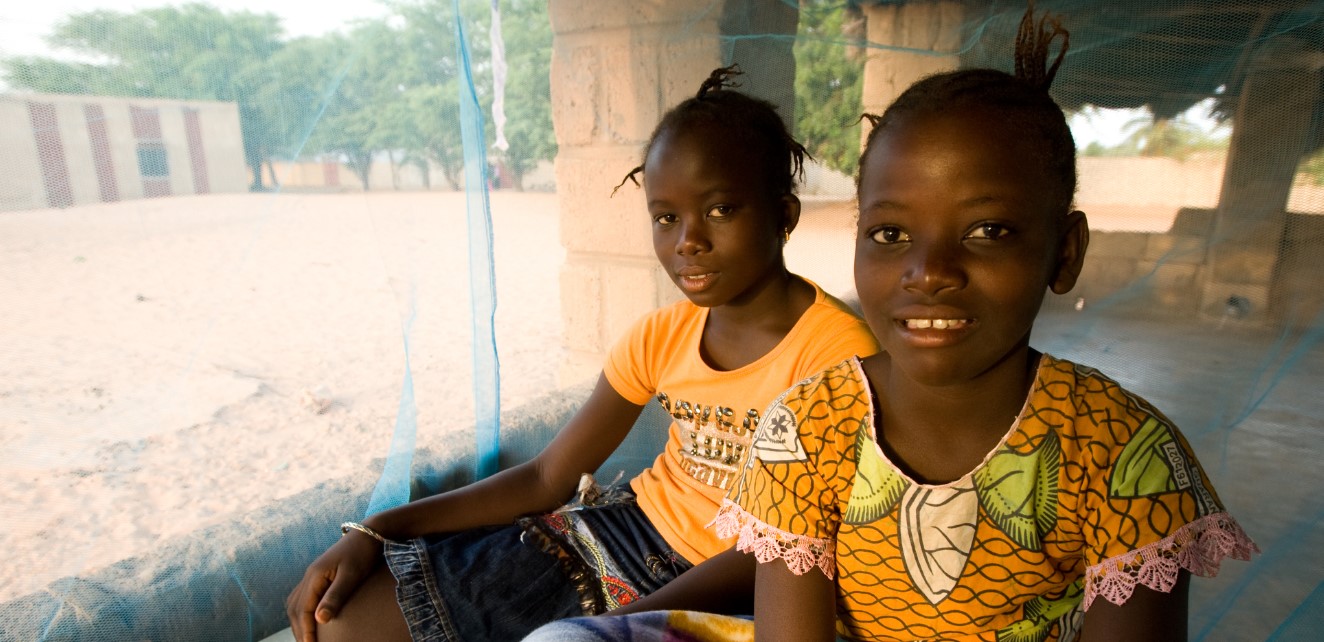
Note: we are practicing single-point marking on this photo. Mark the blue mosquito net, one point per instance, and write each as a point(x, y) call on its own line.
point(267, 267)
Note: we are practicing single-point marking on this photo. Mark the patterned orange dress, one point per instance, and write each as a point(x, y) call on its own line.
point(1091, 492)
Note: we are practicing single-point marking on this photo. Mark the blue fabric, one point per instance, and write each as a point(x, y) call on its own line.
point(640, 627)
point(482, 273)
point(502, 582)
point(480, 584)
point(392, 487)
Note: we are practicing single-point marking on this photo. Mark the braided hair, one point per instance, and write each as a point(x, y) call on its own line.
point(1021, 100)
point(744, 122)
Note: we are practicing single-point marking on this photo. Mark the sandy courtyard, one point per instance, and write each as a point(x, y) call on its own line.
point(165, 361)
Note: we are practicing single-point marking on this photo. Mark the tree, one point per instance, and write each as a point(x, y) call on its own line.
point(436, 113)
point(827, 86)
point(425, 124)
point(362, 95)
point(528, 40)
point(432, 94)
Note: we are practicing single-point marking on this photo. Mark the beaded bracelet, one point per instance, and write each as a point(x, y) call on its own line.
point(344, 530)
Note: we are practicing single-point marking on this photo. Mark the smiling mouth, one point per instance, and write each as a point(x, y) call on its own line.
point(935, 324)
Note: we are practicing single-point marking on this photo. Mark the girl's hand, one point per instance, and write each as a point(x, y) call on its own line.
point(329, 582)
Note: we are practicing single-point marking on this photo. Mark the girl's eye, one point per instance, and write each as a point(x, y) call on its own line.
point(664, 219)
point(720, 211)
point(888, 235)
point(990, 231)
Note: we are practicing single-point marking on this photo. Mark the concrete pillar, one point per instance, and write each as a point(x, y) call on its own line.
point(1269, 137)
point(754, 35)
point(616, 68)
point(906, 43)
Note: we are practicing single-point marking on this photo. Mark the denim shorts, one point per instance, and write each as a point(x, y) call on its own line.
point(500, 583)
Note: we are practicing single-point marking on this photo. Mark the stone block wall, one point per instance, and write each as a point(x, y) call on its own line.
point(1151, 274)
point(1167, 274)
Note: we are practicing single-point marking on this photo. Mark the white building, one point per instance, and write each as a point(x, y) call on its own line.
point(64, 150)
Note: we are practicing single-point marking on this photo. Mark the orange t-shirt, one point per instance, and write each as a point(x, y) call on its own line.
point(713, 412)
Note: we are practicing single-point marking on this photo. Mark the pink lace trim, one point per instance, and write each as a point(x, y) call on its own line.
point(1198, 547)
point(768, 543)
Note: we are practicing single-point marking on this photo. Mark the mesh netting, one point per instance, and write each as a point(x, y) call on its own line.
point(258, 269)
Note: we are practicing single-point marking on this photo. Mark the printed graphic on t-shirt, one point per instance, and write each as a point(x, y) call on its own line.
point(714, 439)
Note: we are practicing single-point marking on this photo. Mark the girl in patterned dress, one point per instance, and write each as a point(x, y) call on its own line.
point(961, 485)
point(488, 561)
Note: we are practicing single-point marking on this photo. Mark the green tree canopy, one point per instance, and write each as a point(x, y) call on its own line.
point(827, 86)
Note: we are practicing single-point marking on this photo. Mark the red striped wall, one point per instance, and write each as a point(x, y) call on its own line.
point(196, 151)
point(101, 158)
point(50, 154)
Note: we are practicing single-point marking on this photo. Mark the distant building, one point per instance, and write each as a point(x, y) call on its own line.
point(65, 150)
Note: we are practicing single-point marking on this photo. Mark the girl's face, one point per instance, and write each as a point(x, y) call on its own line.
point(957, 242)
point(715, 231)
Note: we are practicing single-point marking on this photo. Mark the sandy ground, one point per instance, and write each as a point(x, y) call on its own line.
point(169, 363)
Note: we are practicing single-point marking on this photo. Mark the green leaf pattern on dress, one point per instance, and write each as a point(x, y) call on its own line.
point(1144, 467)
point(1040, 614)
point(1019, 491)
point(1155, 462)
point(878, 485)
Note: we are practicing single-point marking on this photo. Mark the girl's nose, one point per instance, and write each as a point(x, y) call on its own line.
point(692, 239)
point(933, 269)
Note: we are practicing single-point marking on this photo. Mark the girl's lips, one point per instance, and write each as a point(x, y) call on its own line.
point(934, 332)
point(695, 278)
point(696, 282)
point(936, 324)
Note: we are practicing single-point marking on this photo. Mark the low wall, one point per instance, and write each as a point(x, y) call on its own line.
point(1163, 274)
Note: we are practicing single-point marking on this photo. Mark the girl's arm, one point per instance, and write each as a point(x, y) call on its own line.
point(539, 485)
point(795, 608)
point(1148, 615)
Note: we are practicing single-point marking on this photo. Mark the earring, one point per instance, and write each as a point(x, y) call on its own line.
point(786, 236)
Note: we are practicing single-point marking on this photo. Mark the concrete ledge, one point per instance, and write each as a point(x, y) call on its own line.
point(229, 582)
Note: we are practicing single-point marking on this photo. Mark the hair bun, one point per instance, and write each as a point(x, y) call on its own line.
point(718, 80)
